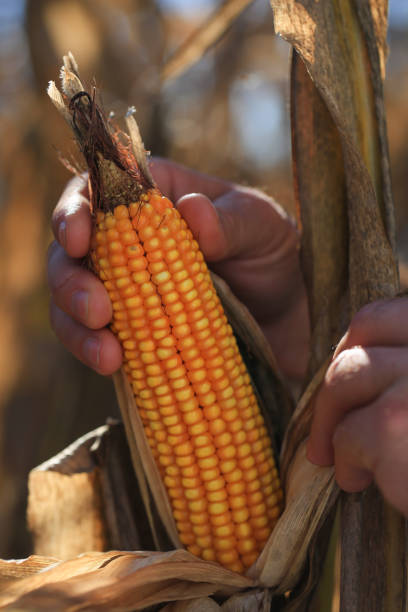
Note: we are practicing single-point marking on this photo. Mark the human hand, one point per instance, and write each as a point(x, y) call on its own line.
point(361, 411)
point(245, 237)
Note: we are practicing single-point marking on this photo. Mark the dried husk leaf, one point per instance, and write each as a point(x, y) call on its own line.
point(115, 580)
point(11, 570)
point(275, 398)
point(309, 493)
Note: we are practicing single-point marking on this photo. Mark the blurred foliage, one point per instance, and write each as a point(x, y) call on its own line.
point(225, 116)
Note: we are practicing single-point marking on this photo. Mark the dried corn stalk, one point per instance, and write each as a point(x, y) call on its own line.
point(343, 184)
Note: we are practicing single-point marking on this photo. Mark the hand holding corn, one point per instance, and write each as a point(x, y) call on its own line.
point(261, 267)
point(361, 422)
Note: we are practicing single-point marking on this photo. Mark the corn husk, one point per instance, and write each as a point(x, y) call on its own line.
point(115, 580)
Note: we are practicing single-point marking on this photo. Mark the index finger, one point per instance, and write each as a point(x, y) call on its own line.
point(71, 219)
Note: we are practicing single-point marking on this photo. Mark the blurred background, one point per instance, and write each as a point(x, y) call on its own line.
point(227, 115)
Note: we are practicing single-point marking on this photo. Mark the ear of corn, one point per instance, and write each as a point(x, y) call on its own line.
point(198, 409)
point(191, 386)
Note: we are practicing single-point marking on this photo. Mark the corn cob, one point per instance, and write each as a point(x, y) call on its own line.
point(194, 395)
point(195, 398)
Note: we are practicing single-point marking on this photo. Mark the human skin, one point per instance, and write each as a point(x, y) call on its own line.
point(361, 416)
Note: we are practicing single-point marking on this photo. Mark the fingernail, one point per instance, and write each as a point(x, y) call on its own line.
point(79, 305)
point(62, 233)
point(91, 348)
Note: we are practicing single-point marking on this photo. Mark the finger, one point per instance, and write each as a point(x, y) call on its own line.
point(205, 224)
point(379, 323)
point(71, 220)
point(175, 180)
point(241, 222)
point(372, 443)
point(355, 378)
point(99, 349)
point(76, 290)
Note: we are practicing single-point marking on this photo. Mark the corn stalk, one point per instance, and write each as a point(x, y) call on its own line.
point(343, 185)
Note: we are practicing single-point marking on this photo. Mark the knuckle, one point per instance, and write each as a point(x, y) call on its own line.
point(348, 364)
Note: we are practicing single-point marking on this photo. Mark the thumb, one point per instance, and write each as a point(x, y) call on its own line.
point(241, 222)
point(205, 223)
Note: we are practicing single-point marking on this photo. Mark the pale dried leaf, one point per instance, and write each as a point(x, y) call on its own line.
point(58, 101)
point(321, 185)
point(309, 496)
point(120, 580)
point(299, 425)
point(16, 569)
point(138, 146)
point(70, 63)
point(206, 35)
point(71, 85)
